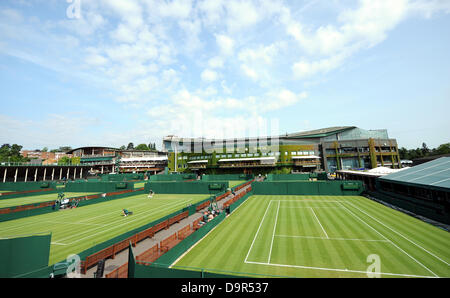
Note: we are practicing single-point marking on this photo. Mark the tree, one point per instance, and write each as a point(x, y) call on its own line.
point(75, 160)
point(65, 149)
point(443, 149)
point(122, 147)
point(142, 147)
point(425, 150)
point(403, 152)
point(45, 149)
point(65, 160)
point(130, 146)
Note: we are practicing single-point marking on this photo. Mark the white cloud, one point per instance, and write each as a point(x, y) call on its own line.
point(306, 69)
point(180, 9)
point(96, 60)
point(358, 29)
point(225, 44)
point(249, 72)
point(209, 75)
point(216, 62)
point(262, 54)
point(124, 33)
point(241, 15)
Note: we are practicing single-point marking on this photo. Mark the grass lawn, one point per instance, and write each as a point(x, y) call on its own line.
point(25, 200)
point(139, 184)
point(321, 236)
point(235, 183)
point(75, 230)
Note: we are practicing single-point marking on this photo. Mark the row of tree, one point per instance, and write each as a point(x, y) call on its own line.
point(143, 147)
point(411, 154)
point(11, 153)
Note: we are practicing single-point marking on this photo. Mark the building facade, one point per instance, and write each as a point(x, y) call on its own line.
point(104, 160)
point(327, 149)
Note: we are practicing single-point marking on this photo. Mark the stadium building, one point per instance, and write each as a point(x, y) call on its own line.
point(110, 160)
point(328, 149)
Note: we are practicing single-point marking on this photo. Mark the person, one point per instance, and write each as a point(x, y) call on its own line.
point(125, 212)
point(150, 194)
point(204, 218)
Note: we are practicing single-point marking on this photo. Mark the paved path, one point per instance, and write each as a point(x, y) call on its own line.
point(122, 257)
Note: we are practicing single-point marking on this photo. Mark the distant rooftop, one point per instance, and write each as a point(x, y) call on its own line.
point(435, 173)
point(320, 132)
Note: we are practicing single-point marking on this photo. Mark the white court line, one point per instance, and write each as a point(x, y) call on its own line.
point(72, 223)
point(273, 235)
point(319, 222)
point(400, 235)
point(337, 270)
point(307, 200)
point(112, 212)
point(256, 235)
point(114, 223)
point(310, 207)
point(57, 243)
point(344, 239)
point(392, 243)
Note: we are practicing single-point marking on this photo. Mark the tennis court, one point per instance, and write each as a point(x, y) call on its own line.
point(321, 236)
point(74, 230)
point(25, 200)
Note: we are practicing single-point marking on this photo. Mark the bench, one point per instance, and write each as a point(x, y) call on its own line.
point(184, 232)
point(148, 256)
point(196, 224)
point(168, 243)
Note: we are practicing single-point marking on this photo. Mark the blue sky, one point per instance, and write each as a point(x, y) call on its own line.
point(110, 72)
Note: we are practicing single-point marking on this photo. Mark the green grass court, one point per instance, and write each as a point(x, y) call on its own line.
point(75, 230)
point(320, 236)
point(234, 183)
point(4, 203)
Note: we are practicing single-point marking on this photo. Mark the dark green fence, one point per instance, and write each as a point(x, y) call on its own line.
point(122, 177)
point(228, 177)
point(172, 177)
point(25, 186)
point(25, 256)
point(98, 186)
point(194, 187)
point(334, 188)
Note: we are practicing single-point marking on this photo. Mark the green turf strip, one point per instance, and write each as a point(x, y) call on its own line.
point(75, 230)
point(321, 236)
point(4, 203)
point(235, 183)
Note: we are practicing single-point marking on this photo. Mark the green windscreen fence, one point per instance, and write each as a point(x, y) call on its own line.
point(287, 177)
point(194, 187)
point(26, 186)
point(25, 256)
point(122, 177)
point(98, 186)
point(228, 177)
point(338, 188)
point(173, 177)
